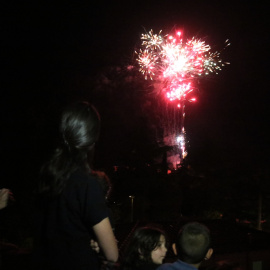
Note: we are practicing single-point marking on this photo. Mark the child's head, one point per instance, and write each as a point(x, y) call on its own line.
point(148, 245)
point(193, 243)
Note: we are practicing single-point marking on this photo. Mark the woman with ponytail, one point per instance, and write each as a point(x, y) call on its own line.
point(71, 204)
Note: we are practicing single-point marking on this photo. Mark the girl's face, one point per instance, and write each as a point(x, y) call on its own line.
point(159, 253)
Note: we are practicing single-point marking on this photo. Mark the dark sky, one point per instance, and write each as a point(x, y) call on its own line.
point(50, 51)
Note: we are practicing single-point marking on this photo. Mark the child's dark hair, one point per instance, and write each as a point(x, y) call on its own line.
point(143, 242)
point(193, 242)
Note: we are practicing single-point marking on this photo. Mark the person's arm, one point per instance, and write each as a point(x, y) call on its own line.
point(106, 239)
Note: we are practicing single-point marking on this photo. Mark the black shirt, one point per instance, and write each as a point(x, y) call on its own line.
point(65, 225)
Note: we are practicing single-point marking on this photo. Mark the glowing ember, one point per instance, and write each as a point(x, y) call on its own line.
point(179, 91)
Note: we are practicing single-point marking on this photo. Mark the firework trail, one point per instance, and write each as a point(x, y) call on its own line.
point(174, 63)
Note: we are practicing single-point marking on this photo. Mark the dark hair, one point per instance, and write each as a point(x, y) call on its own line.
point(193, 242)
point(79, 130)
point(144, 240)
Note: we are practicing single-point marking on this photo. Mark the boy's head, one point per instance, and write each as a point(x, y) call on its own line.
point(193, 243)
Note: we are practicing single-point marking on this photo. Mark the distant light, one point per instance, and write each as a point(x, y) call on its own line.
point(180, 139)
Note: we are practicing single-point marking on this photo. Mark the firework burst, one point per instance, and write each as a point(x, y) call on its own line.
point(170, 59)
point(152, 41)
point(174, 63)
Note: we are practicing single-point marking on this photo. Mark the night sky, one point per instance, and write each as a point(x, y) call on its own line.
point(51, 53)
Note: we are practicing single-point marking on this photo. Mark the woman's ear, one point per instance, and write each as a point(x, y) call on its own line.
point(174, 249)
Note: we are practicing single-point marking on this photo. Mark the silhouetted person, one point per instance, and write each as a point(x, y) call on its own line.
point(71, 202)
